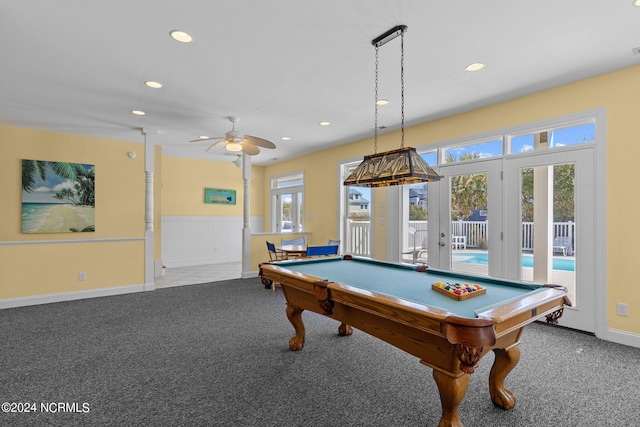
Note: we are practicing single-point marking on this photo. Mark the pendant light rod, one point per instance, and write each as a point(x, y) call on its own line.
point(389, 35)
point(396, 167)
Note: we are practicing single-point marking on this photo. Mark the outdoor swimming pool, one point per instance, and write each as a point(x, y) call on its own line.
point(481, 258)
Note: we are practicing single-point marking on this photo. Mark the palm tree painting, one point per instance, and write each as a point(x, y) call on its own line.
point(57, 197)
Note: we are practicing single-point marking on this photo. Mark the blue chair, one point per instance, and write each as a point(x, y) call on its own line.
point(322, 250)
point(274, 254)
point(298, 241)
point(334, 242)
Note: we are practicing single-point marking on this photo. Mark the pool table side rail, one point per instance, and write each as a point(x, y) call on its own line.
point(525, 310)
point(348, 295)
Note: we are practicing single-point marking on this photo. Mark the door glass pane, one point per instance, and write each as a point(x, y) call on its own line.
point(469, 223)
point(414, 248)
point(286, 213)
point(548, 225)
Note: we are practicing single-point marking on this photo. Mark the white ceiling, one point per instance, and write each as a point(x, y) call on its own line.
point(282, 66)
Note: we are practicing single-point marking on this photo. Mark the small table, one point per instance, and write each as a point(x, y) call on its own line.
point(395, 303)
point(295, 251)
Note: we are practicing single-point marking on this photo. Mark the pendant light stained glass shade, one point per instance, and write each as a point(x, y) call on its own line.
point(395, 167)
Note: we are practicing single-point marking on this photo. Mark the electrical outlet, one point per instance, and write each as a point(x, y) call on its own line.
point(82, 276)
point(621, 309)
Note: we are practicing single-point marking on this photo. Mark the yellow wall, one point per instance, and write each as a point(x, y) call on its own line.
point(42, 267)
point(184, 181)
point(612, 91)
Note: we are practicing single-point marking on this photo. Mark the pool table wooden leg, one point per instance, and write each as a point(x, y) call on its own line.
point(452, 390)
point(505, 361)
point(345, 330)
point(294, 314)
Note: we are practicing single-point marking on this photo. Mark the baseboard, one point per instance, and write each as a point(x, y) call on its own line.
point(623, 337)
point(249, 274)
point(69, 296)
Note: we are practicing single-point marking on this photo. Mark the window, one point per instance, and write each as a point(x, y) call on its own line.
point(286, 203)
point(473, 151)
point(414, 230)
point(355, 214)
point(555, 138)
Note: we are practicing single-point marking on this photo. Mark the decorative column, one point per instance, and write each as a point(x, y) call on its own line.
point(149, 236)
point(246, 216)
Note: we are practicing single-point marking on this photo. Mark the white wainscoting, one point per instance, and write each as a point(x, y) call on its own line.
point(199, 240)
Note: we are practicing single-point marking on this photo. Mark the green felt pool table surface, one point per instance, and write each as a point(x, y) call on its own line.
point(404, 282)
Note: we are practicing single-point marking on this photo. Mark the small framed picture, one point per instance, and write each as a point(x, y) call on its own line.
point(220, 196)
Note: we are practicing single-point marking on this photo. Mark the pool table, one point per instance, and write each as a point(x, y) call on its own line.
point(396, 303)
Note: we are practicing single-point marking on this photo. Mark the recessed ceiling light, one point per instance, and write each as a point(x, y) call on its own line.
point(285, 138)
point(476, 66)
point(154, 85)
point(637, 3)
point(138, 112)
point(325, 123)
point(181, 36)
point(386, 101)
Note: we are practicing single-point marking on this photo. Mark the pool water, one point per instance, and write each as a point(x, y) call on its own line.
point(481, 258)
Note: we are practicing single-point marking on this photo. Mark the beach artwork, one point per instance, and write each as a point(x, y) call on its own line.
point(57, 197)
point(220, 196)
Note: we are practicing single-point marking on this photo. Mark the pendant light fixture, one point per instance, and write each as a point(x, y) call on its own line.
point(395, 167)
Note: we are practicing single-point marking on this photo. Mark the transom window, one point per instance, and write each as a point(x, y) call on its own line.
point(555, 138)
point(473, 151)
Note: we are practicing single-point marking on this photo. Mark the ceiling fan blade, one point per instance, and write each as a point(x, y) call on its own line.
point(218, 144)
point(249, 149)
point(254, 140)
point(206, 139)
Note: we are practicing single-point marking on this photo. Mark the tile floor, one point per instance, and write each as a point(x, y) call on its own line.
point(180, 276)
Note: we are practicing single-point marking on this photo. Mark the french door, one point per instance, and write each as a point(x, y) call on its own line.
point(562, 252)
point(468, 189)
point(509, 241)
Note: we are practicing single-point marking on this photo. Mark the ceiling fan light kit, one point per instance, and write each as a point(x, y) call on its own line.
point(234, 146)
point(395, 167)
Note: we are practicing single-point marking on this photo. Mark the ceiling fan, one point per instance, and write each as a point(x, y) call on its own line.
point(236, 141)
